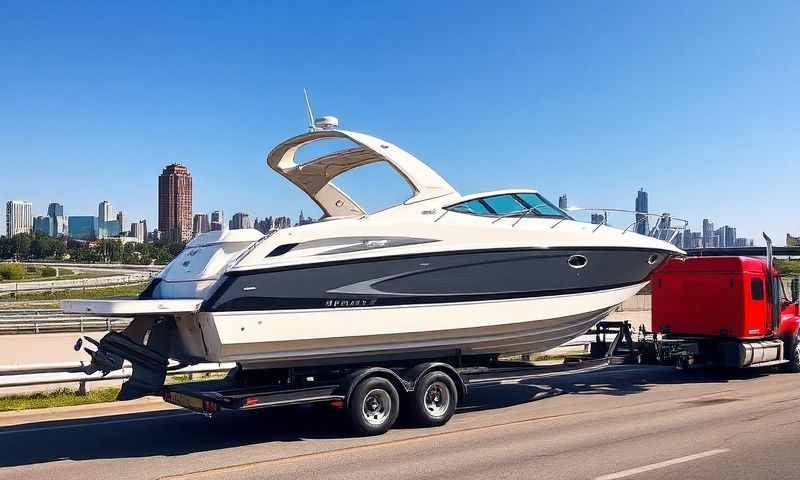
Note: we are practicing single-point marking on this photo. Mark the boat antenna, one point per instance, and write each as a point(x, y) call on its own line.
point(311, 126)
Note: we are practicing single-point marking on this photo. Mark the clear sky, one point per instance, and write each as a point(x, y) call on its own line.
point(697, 102)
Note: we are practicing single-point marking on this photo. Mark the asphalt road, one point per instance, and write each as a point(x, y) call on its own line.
point(622, 422)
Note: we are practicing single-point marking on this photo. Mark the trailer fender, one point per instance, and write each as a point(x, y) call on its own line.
point(352, 380)
point(414, 374)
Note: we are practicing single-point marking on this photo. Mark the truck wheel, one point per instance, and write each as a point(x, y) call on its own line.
point(373, 406)
point(434, 400)
point(793, 355)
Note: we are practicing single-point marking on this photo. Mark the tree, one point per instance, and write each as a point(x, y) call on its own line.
point(21, 244)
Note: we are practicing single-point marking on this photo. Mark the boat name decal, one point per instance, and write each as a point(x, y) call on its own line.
point(350, 302)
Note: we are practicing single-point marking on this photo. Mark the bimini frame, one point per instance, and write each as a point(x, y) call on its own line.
point(314, 177)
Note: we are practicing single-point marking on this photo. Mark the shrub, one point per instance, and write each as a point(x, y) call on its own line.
point(31, 269)
point(49, 272)
point(12, 271)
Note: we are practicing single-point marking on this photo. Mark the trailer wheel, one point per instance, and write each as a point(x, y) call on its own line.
point(434, 400)
point(793, 355)
point(373, 406)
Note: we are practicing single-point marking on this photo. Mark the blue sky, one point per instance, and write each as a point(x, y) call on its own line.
point(698, 102)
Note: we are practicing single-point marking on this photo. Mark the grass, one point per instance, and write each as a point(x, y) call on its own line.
point(129, 290)
point(65, 274)
point(59, 398)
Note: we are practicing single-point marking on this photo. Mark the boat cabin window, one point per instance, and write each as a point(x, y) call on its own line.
point(530, 204)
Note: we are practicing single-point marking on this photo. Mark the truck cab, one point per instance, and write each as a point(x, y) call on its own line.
point(725, 310)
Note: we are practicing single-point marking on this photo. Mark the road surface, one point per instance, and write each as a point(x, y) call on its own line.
point(624, 422)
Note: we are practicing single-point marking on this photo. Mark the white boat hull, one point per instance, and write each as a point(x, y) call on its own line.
point(260, 339)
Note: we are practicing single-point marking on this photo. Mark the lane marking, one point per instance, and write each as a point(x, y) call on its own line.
point(666, 463)
point(92, 424)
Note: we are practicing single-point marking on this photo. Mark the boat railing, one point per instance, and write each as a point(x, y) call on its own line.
point(666, 227)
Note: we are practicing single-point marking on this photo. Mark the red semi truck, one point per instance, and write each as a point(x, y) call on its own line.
point(725, 311)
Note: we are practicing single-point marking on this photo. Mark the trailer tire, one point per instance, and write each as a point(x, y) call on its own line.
point(793, 355)
point(373, 406)
point(434, 400)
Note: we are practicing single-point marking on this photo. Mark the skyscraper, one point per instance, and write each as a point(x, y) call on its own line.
point(139, 231)
point(240, 220)
point(642, 225)
point(217, 220)
point(121, 222)
point(708, 233)
point(200, 224)
point(175, 203)
point(19, 217)
point(105, 212)
point(55, 210)
point(562, 202)
point(43, 225)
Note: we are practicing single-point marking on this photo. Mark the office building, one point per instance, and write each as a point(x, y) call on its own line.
point(303, 220)
point(217, 220)
point(281, 222)
point(240, 220)
point(139, 231)
point(708, 233)
point(19, 217)
point(55, 210)
point(200, 224)
point(43, 225)
point(562, 202)
point(642, 223)
point(121, 222)
point(175, 203)
point(105, 212)
point(82, 227)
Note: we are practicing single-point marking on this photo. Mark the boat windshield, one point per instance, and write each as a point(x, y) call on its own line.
point(509, 204)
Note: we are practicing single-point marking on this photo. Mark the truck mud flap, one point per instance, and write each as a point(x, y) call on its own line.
point(145, 344)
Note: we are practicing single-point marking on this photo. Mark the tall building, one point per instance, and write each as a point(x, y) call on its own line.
point(200, 224)
point(217, 220)
point(55, 210)
point(175, 203)
point(43, 225)
point(19, 217)
point(82, 227)
point(302, 220)
point(105, 212)
point(562, 202)
point(240, 220)
point(121, 222)
point(139, 231)
point(58, 222)
point(281, 222)
point(708, 233)
point(642, 224)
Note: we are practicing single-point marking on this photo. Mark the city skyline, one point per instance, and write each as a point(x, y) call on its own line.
point(567, 113)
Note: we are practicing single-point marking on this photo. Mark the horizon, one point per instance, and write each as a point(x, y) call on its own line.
point(695, 103)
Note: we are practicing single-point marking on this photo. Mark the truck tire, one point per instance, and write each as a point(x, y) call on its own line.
point(793, 355)
point(434, 400)
point(373, 406)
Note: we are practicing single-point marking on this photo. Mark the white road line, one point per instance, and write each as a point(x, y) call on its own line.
point(666, 463)
point(91, 424)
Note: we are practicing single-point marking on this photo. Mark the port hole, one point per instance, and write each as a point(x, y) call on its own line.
point(577, 261)
point(653, 259)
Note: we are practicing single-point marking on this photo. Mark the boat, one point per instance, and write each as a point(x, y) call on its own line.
point(440, 275)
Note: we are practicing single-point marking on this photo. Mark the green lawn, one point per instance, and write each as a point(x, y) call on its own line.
point(129, 290)
point(60, 398)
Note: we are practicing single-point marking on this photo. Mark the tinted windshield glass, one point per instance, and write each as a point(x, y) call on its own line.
point(542, 206)
point(473, 206)
point(504, 204)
